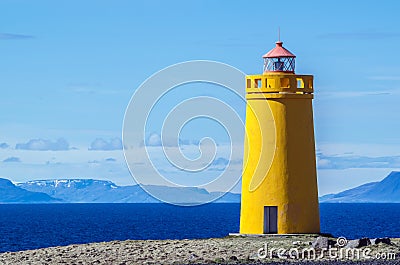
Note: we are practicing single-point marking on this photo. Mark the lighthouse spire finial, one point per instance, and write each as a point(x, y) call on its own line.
point(279, 34)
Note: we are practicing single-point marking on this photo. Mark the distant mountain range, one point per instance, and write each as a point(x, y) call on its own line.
point(9, 193)
point(99, 191)
point(385, 191)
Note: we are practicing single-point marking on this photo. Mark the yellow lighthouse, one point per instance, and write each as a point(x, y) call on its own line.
point(279, 181)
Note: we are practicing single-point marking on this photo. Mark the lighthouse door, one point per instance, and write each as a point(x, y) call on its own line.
point(270, 219)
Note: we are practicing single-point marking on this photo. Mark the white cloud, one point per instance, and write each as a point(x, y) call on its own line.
point(220, 161)
point(353, 149)
point(342, 165)
point(385, 78)
point(44, 145)
point(13, 36)
point(154, 140)
point(100, 144)
point(322, 162)
point(12, 159)
point(352, 94)
point(203, 164)
point(21, 172)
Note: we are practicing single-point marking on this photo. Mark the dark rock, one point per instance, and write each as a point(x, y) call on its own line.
point(357, 243)
point(233, 258)
point(193, 256)
point(322, 242)
point(326, 235)
point(253, 256)
point(384, 240)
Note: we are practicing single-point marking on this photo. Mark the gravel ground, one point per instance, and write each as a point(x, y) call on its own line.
point(229, 250)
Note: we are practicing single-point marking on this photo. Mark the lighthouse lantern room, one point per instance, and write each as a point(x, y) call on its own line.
point(279, 59)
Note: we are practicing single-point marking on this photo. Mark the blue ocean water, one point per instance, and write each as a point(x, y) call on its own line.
point(42, 225)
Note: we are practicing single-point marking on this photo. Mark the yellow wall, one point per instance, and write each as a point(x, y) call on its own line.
point(279, 158)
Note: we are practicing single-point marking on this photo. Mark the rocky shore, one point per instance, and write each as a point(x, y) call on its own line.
point(309, 249)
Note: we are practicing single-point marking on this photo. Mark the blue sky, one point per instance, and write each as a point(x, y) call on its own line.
point(69, 68)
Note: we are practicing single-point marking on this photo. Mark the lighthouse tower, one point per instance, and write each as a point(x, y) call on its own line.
point(279, 181)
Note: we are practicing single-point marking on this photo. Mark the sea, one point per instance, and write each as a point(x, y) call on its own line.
point(32, 226)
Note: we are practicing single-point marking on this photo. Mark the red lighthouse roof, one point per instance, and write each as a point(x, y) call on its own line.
point(279, 51)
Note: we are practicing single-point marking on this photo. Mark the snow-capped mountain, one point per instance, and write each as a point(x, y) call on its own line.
point(87, 190)
point(100, 191)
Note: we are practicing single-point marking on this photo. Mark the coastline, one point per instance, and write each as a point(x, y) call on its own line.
point(228, 250)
